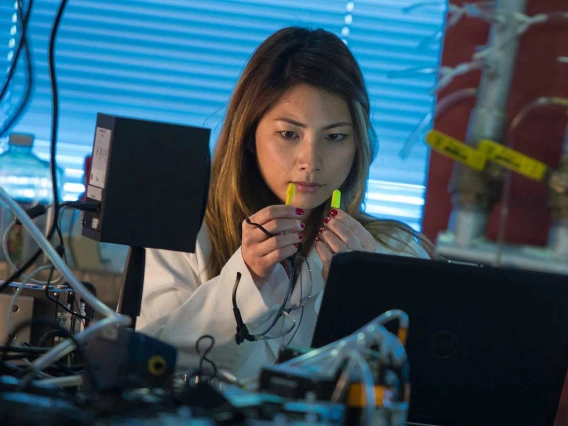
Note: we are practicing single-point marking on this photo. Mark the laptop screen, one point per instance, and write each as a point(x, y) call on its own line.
point(487, 346)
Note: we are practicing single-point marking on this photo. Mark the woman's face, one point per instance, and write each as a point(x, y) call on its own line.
point(306, 139)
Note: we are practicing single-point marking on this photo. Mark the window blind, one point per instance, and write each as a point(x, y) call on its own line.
point(178, 61)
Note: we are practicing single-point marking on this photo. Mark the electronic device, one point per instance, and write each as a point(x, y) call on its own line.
point(120, 358)
point(33, 303)
point(487, 346)
point(150, 182)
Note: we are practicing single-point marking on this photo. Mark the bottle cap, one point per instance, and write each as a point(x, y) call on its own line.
point(20, 139)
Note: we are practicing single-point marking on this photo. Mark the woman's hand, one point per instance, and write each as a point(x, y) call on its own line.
point(341, 233)
point(262, 252)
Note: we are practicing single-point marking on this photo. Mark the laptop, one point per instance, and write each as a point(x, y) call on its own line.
point(487, 346)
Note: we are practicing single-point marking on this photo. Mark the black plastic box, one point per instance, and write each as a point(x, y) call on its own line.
point(150, 180)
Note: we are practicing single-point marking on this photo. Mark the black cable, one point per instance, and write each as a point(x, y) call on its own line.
point(199, 373)
point(297, 327)
point(270, 234)
point(21, 45)
point(24, 41)
point(242, 332)
point(13, 367)
point(204, 356)
point(80, 205)
point(29, 323)
point(23, 349)
point(53, 164)
point(301, 313)
point(55, 109)
point(62, 367)
point(19, 357)
point(61, 251)
point(50, 334)
point(61, 247)
point(60, 304)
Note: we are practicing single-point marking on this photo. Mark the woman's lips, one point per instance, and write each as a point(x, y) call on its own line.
point(307, 187)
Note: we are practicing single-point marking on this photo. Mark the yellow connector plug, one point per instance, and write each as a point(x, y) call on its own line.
point(290, 193)
point(336, 199)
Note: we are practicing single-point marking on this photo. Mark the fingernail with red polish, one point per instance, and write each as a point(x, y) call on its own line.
point(296, 245)
point(300, 212)
point(333, 212)
point(302, 225)
point(321, 229)
point(300, 236)
point(318, 239)
point(326, 220)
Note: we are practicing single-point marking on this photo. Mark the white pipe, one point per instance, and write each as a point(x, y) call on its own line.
point(52, 255)
point(357, 360)
point(62, 382)
point(66, 346)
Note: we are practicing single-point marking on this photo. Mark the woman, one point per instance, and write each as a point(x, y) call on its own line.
point(300, 114)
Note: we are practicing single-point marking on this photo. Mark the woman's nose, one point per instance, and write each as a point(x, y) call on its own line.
point(310, 158)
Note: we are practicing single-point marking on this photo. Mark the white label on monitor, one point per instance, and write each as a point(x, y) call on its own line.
point(94, 193)
point(100, 157)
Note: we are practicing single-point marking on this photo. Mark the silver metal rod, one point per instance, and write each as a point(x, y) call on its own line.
point(474, 193)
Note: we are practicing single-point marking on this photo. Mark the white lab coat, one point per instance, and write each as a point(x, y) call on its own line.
point(181, 302)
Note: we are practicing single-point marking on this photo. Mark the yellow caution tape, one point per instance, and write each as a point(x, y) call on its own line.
point(513, 160)
point(456, 150)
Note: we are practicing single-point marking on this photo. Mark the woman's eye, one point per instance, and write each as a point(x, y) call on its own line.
point(336, 136)
point(288, 134)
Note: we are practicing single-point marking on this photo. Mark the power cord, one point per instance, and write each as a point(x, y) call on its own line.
point(38, 320)
point(200, 372)
point(242, 332)
point(58, 303)
point(262, 228)
point(301, 317)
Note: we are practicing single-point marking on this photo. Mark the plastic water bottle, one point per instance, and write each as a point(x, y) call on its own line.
point(27, 179)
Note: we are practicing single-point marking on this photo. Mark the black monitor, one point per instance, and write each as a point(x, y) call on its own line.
point(487, 346)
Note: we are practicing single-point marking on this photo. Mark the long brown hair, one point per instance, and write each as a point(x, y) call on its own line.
point(289, 57)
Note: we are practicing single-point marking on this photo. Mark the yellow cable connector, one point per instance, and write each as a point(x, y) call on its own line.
point(157, 365)
point(456, 150)
point(488, 150)
point(356, 396)
point(513, 160)
point(402, 335)
point(560, 101)
point(290, 193)
point(336, 199)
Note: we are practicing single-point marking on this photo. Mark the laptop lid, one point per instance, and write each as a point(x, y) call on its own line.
point(487, 346)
